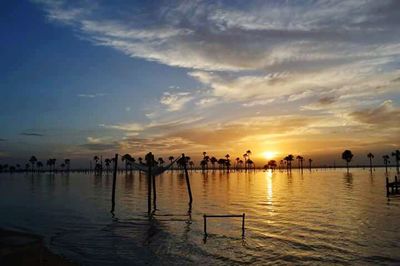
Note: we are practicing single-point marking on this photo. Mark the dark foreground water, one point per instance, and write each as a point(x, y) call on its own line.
point(323, 217)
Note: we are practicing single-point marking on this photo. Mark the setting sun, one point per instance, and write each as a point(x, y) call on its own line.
point(269, 154)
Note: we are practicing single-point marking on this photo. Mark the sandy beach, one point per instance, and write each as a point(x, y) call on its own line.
point(18, 248)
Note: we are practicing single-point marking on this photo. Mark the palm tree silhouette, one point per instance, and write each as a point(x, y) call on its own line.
point(108, 163)
point(251, 164)
point(248, 152)
point(126, 158)
point(228, 162)
point(289, 159)
point(237, 163)
point(39, 165)
point(48, 163)
point(33, 160)
point(213, 160)
point(370, 156)
point(309, 163)
point(161, 161)
point(396, 155)
point(240, 163)
point(300, 160)
point(53, 162)
point(207, 159)
point(203, 165)
point(272, 165)
point(386, 161)
point(347, 156)
point(171, 159)
point(221, 163)
point(191, 164)
point(67, 162)
point(245, 156)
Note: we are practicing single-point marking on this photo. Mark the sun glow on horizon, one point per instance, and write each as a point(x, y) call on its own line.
point(269, 155)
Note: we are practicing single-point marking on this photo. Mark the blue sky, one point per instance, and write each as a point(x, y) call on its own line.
point(97, 77)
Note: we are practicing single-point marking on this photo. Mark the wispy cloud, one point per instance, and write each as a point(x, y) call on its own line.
point(94, 95)
point(384, 114)
point(175, 100)
point(32, 134)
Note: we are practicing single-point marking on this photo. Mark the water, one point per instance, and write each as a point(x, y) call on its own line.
point(323, 217)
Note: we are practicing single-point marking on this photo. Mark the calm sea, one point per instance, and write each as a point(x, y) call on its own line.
point(322, 217)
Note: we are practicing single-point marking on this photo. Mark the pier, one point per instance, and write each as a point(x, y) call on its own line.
point(205, 216)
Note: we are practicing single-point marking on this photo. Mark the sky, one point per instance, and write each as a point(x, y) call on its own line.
point(311, 78)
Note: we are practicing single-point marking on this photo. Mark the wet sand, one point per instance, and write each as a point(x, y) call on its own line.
point(25, 249)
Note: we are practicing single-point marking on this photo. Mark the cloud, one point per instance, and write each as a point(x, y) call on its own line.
point(30, 134)
point(135, 127)
point(258, 102)
point(384, 114)
point(95, 95)
point(206, 102)
point(224, 36)
point(175, 101)
point(104, 147)
point(2, 139)
point(257, 50)
point(330, 62)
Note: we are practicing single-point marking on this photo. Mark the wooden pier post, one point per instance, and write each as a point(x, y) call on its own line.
point(154, 192)
point(114, 183)
point(243, 225)
point(187, 179)
point(387, 186)
point(205, 224)
point(149, 190)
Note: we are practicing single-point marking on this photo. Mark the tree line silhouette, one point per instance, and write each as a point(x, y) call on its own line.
point(238, 164)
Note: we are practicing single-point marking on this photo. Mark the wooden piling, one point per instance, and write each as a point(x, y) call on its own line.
point(243, 224)
point(114, 183)
point(154, 192)
point(187, 179)
point(387, 186)
point(205, 224)
point(149, 190)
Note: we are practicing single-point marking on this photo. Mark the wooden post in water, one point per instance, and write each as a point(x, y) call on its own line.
point(205, 224)
point(149, 190)
point(396, 184)
point(243, 225)
point(154, 192)
point(150, 162)
point(114, 183)
point(187, 179)
point(387, 186)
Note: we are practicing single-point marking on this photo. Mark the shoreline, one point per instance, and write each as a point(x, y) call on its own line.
point(19, 248)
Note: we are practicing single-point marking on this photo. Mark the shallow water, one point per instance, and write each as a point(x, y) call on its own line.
point(322, 217)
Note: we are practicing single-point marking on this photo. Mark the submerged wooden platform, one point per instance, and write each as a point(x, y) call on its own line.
point(392, 188)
